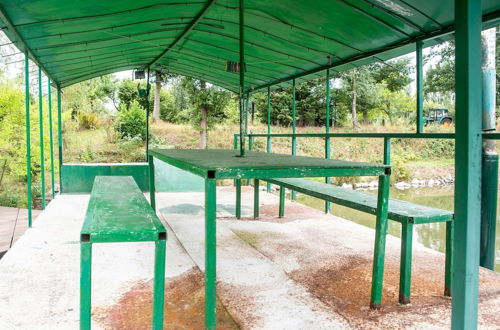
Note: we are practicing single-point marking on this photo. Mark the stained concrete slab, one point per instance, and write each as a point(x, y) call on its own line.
point(305, 271)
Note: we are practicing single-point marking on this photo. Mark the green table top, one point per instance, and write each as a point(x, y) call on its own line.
point(226, 164)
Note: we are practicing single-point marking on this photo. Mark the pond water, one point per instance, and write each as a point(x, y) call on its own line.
point(431, 235)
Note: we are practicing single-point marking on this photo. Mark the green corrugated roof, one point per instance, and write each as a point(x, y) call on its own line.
point(75, 40)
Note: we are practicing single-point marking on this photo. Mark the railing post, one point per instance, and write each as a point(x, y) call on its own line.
point(294, 129)
point(420, 87)
point(49, 92)
point(59, 137)
point(327, 130)
point(268, 149)
point(468, 139)
point(42, 156)
point(28, 135)
point(242, 76)
point(147, 115)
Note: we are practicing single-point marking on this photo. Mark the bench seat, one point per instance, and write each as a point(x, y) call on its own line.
point(400, 211)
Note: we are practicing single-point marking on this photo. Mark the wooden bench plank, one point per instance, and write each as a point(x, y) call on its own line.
point(400, 211)
point(119, 212)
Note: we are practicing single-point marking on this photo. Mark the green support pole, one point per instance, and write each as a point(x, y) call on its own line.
point(268, 149)
point(294, 129)
point(42, 156)
point(28, 135)
point(381, 227)
point(59, 137)
point(235, 142)
point(159, 284)
point(281, 211)
point(489, 184)
point(85, 285)
point(147, 115)
point(49, 92)
point(467, 164)
point(242, 78)
point(256, 202)
point(405, 264)
point(210, 254)
point(238, 199)
point(448, 267)
point(327, 130)
point(420, 88)
point(152, 188)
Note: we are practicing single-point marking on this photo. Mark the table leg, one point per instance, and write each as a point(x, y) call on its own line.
point(405, 263)
point(449, 259)
point(380, 237)
point(85, 284)
point(238, 199)
point(152, 188)
point(210, 254)
point(282, 202)
point(256, 198)
point(159, 284)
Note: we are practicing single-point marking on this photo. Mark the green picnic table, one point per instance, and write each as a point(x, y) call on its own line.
point(214, 164)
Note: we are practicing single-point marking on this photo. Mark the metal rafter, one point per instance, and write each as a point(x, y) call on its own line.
point(188, 29)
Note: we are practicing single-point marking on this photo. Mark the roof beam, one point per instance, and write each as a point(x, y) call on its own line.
point(188, 29)
point(21, 45)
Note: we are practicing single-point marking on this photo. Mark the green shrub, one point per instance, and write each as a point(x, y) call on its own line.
point(87, 120)
point(131, 122)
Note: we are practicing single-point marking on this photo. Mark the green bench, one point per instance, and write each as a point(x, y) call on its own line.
point(408, 214)
point(119, 212)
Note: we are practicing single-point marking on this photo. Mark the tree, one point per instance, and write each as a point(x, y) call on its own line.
point(128, 92)
point(160, 78)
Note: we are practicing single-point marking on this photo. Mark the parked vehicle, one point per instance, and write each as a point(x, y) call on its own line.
point(440, 116)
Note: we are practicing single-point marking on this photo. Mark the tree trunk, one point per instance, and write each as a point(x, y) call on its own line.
point(203, 122)
point(156, 106)
point(365, 118)
point(355, 123)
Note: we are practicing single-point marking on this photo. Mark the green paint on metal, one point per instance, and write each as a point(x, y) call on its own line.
point(448, 268)
point(28, 136)
point(238, 199)
point(148, 110)
point(294, 129)
point(327, 129)
point(224, 164)
point(42, 156)
point(405, 265)
point(79, 178)
point(256, 202)
point(489, 195)
point(369, 135)
point(59, 137)
point(152, 187)
point(268, 148)
point(467, 164)
point(119, 212)
point(210, 254)
point(243, 110)
point(281, 210)
point(51, 138)
point(420, 88)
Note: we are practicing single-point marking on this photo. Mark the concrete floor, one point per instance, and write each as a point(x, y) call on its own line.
point(305, 271)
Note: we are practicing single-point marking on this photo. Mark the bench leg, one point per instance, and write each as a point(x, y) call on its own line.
point(405, 263)
point(85, 284)
point(210, 255)
point(449, 259)
point(152, 196)
point(256, 198)
point(380, 238)
point(327, 203)
point(238, 199)
point(159, 284)
point(282, 202)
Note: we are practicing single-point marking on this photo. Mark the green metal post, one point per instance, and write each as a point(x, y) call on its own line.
point(405, 264)
point(256, 198)
point(448, 268)
point(268, 149)
point(238, 199)
point(381, 227)
point(489, 182)
point(147, 114)
point(59, 137)
point(49, 92)
point(210, 254)
point(28, 135)
point(294, 128)
point(42, 156)
point(85, 284)
point(235, 142)
point(467, 164)
point(242, 77)
point(420, 88)
point(250, 143)
point(282, 202)
point(152, 188)
point(159, 284)
point(327, 130)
